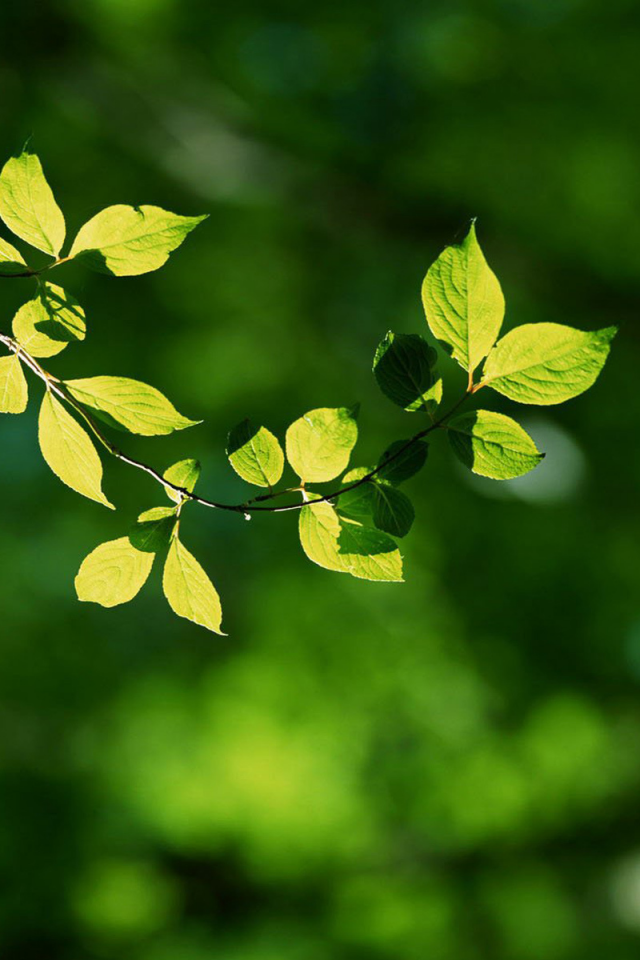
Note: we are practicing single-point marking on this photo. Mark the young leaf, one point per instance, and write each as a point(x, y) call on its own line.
point(403, 368)
point(127, 241)
point(188, 589)
point(493, 445)
point(27, 204)
point(346, 546)
point(129, 405)
point(45, 325)
point(255, 454)
point(69, 452)
point(113, 573)
point(319, 444)
point(463, 302)
point(545, 363)
point(11, 260)
point(185, 474)
point(153, 528)
point(14, 392)
point(406, 464)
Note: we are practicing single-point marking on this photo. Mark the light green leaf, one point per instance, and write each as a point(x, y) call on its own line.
point(255, 454)
point(188, 589)
point(319, 528)
point(319, 444)
point(14, 392)
point(45, 325)
point(126, 241)
point(185, 474)
point(463, 302)
point(27, 204)
point(129, 405)
point(11, 260)
point(153, 528)
point(493, 445)
point(369, 554)
point(69, 452)
point(347, 547)
point(404, 370)
point(545, 363)
point(113, 573)
point(402, 466)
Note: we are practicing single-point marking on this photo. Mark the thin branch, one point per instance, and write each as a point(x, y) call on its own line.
point(34, 273)
point(57, 387)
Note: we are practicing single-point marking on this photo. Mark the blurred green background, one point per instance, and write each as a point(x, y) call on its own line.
point(445, 769)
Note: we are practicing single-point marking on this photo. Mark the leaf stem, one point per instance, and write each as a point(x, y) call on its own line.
point(35, 273)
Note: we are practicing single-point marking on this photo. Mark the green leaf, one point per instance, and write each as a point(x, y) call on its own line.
point(358, 504)
point(319, 444)
point(255, 454)
point(493, 445)
point(11, 260)
point(127, 241)
point(45, 325)
point(129, 405)
point(402, 466)
point(113, 573)
point(403, 368)
point(347, 547)
point(188, 589)
point(463, 302)
point(69, 452)
point(14, 392)
point(376, 502)
point(545, 363)
point(185, 474)
point(153, 528)
point(392, 510)
point(27, 204)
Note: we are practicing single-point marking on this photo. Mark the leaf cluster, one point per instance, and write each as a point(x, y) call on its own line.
point(354, 527)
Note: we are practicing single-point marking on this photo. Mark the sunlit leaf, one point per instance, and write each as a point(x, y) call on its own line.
point(14, 392)
point(69, 451)
point(129, 405)
point(27, 204)
point(545, 363)
point(153, 528)
point(188, 589)
point(126, 241)
point(47, 324)
point(11, 260)
point(368, 553)
point(463, 302)
point(113, 573)
point(255, 454)
point(319, 444)
point(185, 474)
point(493, 445)
point(346, 546)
